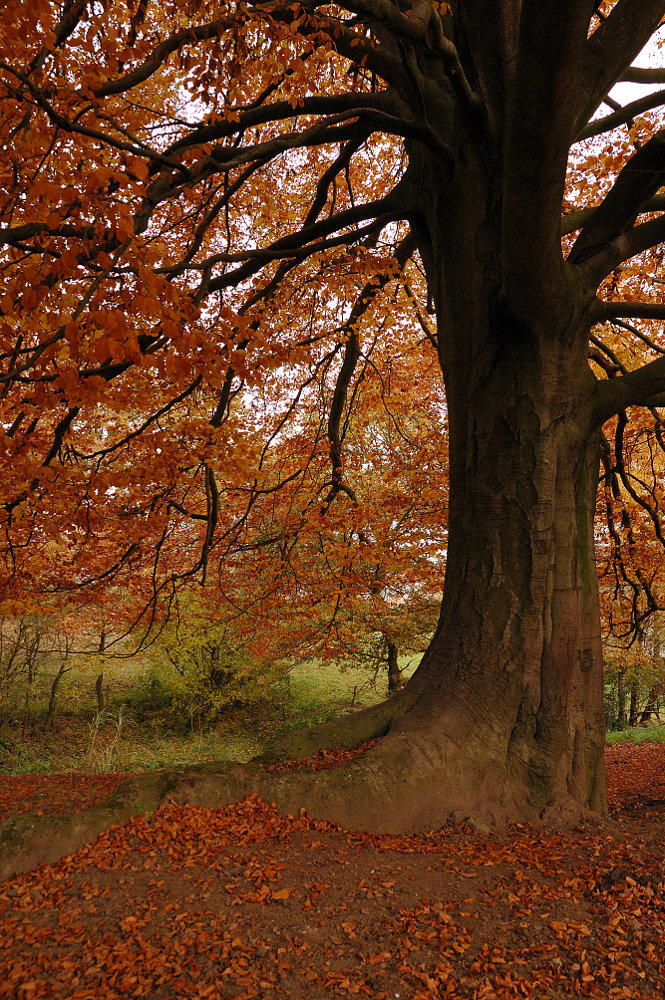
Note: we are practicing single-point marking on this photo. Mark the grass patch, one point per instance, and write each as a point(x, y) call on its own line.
point(637, 734)
point(137, 731)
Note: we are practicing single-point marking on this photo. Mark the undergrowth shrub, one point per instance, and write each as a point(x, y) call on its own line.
point(214, 671)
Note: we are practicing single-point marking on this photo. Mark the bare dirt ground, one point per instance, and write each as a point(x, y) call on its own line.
point(244, 902)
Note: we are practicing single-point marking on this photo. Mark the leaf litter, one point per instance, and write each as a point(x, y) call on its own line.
point(244, 902)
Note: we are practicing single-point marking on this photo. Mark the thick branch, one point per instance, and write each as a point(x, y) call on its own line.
point(541, 111)
point(639, 239)
point(603, 311)
point(611, 49)
point(354, 45)
point(17, 234)
point(639, 181)
point(352, 126)
point(637, 388)
point(281, 111)
point(580, 217)
point(622, 116)
point(639, 74)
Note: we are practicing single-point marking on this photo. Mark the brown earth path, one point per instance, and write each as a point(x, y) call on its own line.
point(244, 902)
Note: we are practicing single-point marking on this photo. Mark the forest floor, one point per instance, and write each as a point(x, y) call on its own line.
point(244, 902)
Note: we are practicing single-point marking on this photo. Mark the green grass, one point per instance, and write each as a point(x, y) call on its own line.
point(137, 732)
point(637, 734)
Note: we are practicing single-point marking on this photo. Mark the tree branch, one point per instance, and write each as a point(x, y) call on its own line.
point(611, 49)
point(603, 311)
point(639, 74)
point(580, 217)
point(353, 45)
point(313, 238)
point(622, 115)
point(636, 184)
point(281, 111)
point(540, 116)
point(160, 54)
point(342, 128)
point(637, 388)
point(639, 239)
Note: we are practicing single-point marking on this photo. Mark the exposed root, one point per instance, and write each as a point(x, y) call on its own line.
point(414, 779)
point(342, 733)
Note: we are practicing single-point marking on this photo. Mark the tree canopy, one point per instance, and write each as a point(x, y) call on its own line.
point(242, 243)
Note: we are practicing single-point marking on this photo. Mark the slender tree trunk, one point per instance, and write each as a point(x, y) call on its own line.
point(50, 716)
point(634, 709)
point(622, 716)
point(650, 707)
point(99, 691)
point(394, 673)
point(99, 683)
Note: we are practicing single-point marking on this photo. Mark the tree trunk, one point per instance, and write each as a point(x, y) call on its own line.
point(512, 683)
point(99, 691)
point(650, 707)
point(99, 683)
point(634, 709)
point(50, 715)
point(622, 715)
point(504, 718)
point(509, 694)
point(394, 673)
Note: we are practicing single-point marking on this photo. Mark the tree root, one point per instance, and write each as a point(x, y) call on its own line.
point(27, 840)
point(342, 733)
point(414, 779)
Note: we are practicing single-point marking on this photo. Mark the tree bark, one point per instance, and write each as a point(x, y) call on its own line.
point(509, 695)
point(512, 683)
point(99, 683)
point(504, 718)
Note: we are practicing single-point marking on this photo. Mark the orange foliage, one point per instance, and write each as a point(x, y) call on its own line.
point(217, 356)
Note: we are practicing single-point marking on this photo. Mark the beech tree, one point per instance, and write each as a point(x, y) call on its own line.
point(205, 203)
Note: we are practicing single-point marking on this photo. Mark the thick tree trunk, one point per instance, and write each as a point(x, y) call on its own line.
point(504, 718)
point(511, 687)
point(508, 699)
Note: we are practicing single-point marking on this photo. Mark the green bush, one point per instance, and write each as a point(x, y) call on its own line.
point(214, 671)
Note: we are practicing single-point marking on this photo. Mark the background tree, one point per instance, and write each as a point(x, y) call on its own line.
point(209, 212)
